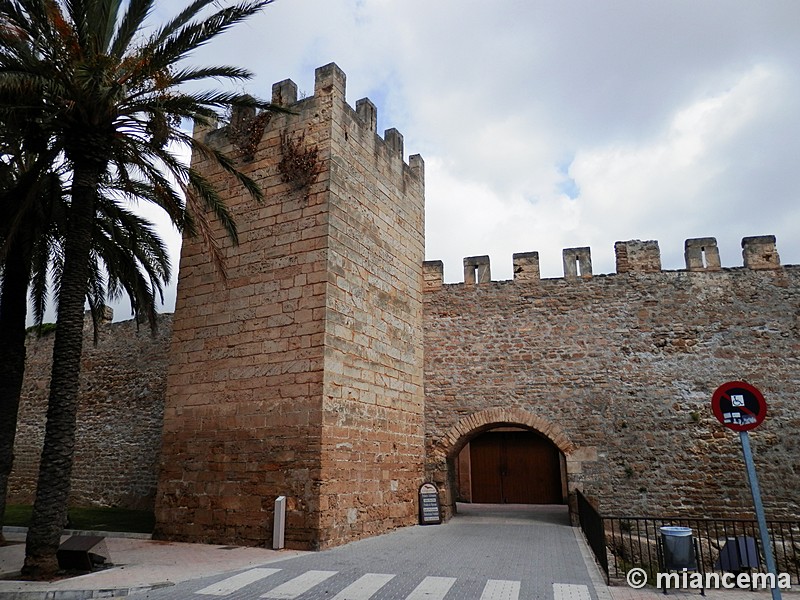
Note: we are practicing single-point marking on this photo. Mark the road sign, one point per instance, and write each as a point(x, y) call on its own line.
point(739, 406)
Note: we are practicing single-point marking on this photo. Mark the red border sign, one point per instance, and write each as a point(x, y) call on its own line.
point(739, 406)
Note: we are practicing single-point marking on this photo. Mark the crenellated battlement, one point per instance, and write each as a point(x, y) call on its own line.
point(330, 86)
point(334, 368)
point(632, 256)
point(320, 317)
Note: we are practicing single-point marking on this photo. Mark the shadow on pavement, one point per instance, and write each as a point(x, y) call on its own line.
point(553, 514)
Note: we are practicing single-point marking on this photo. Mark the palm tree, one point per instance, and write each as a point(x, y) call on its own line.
point(113, 99)
point(23, 177)
point(127, 257)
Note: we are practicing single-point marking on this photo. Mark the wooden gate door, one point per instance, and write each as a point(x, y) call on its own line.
point(515, 467)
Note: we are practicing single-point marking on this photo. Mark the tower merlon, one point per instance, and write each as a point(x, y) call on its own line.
point(394, 140)
point(701, 254)
point(242, 117)
point(368, 112)
point(477, 270)
point(284, 93)
point(200, 130)
point(330, 79)
point(417, 166)
point(432, 275)
point(636, 256)
point(577, 262)
point(526, 266)
point(759, 252)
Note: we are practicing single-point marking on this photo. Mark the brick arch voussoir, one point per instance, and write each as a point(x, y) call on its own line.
point(454, 439)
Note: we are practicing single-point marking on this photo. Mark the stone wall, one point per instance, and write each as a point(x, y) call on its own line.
point(120, 412)
point(331, 366)
point(301, 373)
point(373, 390)
point(618, 370)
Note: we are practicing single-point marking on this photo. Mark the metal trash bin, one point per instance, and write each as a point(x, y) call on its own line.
point(678, 545)
point(738, 554)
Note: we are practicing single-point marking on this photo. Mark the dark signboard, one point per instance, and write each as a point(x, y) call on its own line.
point(430, 512)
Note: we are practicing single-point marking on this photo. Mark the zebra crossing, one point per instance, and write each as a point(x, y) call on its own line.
point(370, 584)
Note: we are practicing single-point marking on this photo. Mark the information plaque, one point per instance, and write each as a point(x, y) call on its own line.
point(430, 512)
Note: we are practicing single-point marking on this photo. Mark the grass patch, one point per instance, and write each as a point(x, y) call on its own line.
point(90, 518)
point(42, 330)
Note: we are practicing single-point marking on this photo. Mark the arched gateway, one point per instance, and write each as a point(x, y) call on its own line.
point(333, 363)
point(516, 457)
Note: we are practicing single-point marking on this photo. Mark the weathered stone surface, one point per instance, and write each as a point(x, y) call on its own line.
point(334, 366)
point(477, 270)
point(301, 375)
point(702, 254)
point(620, 370)
point(526, 266)
point(577, 262)
point(636, 256)
point(759, 252)
point(120, 414)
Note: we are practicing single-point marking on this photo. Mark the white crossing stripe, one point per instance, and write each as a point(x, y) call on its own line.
point(237, 582)
point(570, 591)
point(500, 589)
point(432, 588)
point(363, 587)
point(299, 585)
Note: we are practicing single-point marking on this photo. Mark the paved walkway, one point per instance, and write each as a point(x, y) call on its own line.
point(485, 553)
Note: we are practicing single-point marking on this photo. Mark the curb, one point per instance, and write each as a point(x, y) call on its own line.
point(81, 594)
point(115, 534)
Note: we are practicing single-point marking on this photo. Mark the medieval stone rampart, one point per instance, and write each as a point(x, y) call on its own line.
point(618, 371)
point(120, 415)
point(332, 366)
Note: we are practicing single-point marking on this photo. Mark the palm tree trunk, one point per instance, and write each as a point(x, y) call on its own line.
point(55, 469)
point(13, 308)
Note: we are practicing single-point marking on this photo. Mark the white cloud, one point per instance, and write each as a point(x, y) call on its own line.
point(663, 120)
point(668, 187)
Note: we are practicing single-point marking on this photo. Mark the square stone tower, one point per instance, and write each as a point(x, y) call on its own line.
point(300, 373)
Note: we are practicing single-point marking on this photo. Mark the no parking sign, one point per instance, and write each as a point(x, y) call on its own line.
point(739, 406)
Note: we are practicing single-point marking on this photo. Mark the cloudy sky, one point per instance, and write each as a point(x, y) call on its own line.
point(554, 124)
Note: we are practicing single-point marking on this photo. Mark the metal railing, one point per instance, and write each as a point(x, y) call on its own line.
point(723, 545)
point(592, 526)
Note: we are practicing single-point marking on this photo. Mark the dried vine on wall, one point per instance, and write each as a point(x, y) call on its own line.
point(245, 133)
point(299, 164)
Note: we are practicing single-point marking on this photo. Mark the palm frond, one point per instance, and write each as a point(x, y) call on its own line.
point(130, 25)
point(181, 19)
point(191, 36)
point(218, 72)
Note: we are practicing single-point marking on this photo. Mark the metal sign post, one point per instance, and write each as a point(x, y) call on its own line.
point(759, 506)
point(741, 407)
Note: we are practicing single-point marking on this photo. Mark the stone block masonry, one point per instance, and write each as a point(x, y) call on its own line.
point(331, 365)
point(301, 373)
point(618, 371)
point(120, 414)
